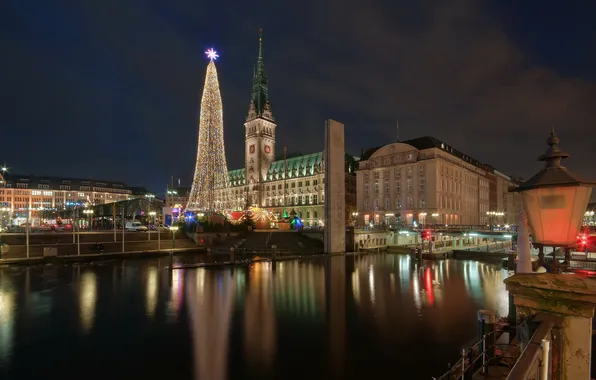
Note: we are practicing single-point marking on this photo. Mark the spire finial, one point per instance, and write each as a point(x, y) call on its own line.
point(554, 154)
point(260, 42)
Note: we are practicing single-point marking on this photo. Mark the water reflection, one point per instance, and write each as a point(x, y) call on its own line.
point(151, 291)
point(7, 315)
point(210, 296)
point(259, 317)
point(87, 299)
point(320, 318)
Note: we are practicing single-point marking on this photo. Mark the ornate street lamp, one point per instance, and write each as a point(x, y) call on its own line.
point(554, 201)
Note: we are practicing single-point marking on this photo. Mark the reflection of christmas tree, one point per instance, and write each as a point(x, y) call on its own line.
point(211, 171)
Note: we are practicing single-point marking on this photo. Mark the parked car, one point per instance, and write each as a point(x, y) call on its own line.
point(160, 227)
point(135, 226)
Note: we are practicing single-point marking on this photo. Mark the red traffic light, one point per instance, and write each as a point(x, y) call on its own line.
point(426, 235)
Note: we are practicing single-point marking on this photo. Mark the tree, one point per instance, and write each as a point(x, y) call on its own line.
point(211, 170)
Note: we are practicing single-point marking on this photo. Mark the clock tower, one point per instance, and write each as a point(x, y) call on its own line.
point(259, 133)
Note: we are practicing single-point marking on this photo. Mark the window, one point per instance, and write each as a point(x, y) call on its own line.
point(366, 189)
point(410, 202)
point(376, 187)
point(377, 204)
point(397, 173)
point(387, 204)
point(376, 175)
point(387, 187)
point(314, 201)
point(422, 203)
point(421, 170)
point(422, 184)
point(397, 204)
point(398, 187)
point(386, 174)
point(409, 171)
point(366, 204)
point(36, 192)
point(409, 183)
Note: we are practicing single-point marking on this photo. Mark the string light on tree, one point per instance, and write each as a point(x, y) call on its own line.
point(211, 170)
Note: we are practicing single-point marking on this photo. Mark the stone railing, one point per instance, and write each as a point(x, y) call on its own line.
point(541, 353)
point(563, 304)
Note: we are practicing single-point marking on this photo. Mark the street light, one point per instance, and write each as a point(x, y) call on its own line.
point(90, 214)
point(422, 218)
point(153, 213)
point(173, 229)
point(554, 200)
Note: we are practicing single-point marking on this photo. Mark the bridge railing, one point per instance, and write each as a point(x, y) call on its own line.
point(475, 358)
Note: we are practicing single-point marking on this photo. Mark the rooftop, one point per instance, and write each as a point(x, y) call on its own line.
point(33, 181)
point(428, 142)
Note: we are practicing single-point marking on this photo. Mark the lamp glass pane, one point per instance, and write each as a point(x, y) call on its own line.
point(555, 214)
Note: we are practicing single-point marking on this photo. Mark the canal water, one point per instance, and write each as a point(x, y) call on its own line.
point(354, 317)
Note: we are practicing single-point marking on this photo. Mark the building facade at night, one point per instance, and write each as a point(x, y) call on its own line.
point(268, 181)
point(425, 181)
point(40, 196)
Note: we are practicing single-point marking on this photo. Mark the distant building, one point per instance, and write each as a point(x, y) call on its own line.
point(425, 181)
point(40, 196)
point(177, 196)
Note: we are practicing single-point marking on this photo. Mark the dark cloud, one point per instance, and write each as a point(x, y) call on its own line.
point(110, 89)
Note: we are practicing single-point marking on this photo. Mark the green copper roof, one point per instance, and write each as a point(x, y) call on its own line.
point(260, 88)
point(237, 177)
point(301, 166)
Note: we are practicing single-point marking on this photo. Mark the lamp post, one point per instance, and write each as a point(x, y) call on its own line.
point(173, 229)
point(152, 213)
point(435, 216)
point(89, 213)
point(422, 218)
point(554, 201)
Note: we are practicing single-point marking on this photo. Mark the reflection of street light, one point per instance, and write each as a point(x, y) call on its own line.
point(554, 201)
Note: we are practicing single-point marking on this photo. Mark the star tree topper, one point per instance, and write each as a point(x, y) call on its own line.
point(212, 54)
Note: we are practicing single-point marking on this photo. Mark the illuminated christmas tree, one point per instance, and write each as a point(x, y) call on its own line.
point(211, 171)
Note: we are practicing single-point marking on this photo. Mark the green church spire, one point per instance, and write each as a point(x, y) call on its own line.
point(259, 101)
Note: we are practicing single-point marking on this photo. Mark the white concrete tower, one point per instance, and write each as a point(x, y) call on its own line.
point(259, 133)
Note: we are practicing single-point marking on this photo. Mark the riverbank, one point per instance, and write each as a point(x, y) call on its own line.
point(90, 257)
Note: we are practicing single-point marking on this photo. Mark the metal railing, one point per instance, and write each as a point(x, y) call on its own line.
point(477, 357)
point(534, 363)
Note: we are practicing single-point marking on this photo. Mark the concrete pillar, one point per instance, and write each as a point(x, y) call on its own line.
point(573, 299)
point(335, 182)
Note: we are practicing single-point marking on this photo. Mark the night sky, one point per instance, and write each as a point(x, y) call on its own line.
point(110, 89)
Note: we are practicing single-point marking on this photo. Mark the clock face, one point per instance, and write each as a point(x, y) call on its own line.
point(251, 149)
point(267, 149)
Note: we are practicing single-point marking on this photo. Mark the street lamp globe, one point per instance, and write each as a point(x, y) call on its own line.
point(554, 199)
